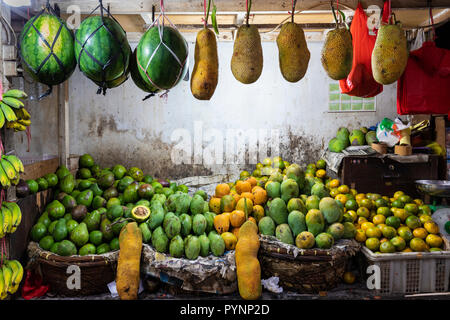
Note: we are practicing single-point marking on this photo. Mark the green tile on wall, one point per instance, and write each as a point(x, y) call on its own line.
point(369, 106)
point(334, 106)
point(357, 106)
point(346, 106)
point(334, 86)
point(346, 97)
point(334, 97)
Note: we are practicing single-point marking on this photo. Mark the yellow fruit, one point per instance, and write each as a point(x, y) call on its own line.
point(383, 240)
point(402, 214)
point(237, 218)
point(379, 219)
point(360, 235)
point(433, 240)
point(353, 192)
point(398, 194)
point(321, 173)
point(243, 186)
point(418, 245)
point(373, 232)
point(214, 205)
point(407, 249)
point(361, 220)
point(342, 198)
point(334, 192)
point(366, 225)
point(258, 212)
point(253, 182)
point(381, 226)
point(363, 212)
point(424, 218)
point(349, 277)
point(334, 183)
point(245, 205)
point(222, 190)
point(343, 189)
point(419, 202)
point(222, 223)
point(373, 244)
point(259, 195)
point(431, 227)
point(420, 233)
point(248, 195)
point(360, 196)
point(230, 240)
point(353, 214)
point(366, 203)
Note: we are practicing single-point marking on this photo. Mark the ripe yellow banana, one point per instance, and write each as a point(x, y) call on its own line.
point(16, 162)
point(8, 112)
point(16, 214)
point(7, 278)
point(25, 123)
point(7, 220)
point(13, 102)
point(3, 292)
point(17, 275)
point(15, 93)
point(9, 169)
point(4, 180)
point(22, 114)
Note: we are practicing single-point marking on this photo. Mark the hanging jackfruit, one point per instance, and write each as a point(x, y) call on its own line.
point(293, 52)
point(247, 60)
point(390, 54)
point(337, 53)
point(206, 68)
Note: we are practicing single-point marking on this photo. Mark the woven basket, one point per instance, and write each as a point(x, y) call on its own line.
point(305, 270)
point(96, 271)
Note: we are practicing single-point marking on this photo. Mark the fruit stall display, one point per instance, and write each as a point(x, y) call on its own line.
point(90, 209)
point(357, 137)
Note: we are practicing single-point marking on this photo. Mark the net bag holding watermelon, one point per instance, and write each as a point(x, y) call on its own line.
point(162, 55)
point(46, 49)
point(102, 50)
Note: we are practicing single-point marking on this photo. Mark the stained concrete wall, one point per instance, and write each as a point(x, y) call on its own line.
point(121, 128)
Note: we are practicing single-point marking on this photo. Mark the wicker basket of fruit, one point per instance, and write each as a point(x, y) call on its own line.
point(305, 270)
point(95, 271)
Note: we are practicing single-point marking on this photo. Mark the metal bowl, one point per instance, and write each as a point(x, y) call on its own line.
point(435, 188)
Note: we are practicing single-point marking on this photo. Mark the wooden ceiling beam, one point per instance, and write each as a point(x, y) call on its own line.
point(145, 6)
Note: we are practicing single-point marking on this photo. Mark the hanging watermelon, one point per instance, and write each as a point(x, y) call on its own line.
point(137, 79)
point(102, 51)
point(162, 56)
point(46, 48)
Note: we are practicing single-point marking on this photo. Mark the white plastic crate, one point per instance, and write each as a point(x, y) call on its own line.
point(412, 272)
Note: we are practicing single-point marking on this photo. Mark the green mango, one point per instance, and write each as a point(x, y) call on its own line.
point(209, 216)
point(199, 224)
point(69, 202)
point(156, 215)
point(176, 247)
point(84, 184)
point(38, 231)
point(289, 189)
point(217, 244)
point(124, 183)
point(106, 180)
point(160, 241)
point(71, 224)
point(197, 205)
point(296, 204)
point(296, 221)
point(284, 234)
point(103, 248)
point(118, 224)
point(146, 232)
point(62, 172)
point(278, 211)
point(96, 237)
point(324, 240)
point(204, 245)
point(173, 227)
point(96, 189)
point(315, 221)
point(186, 224)
point(106, 229)
point(130, 195)
point(87, 249)
point(336, 230)
point(192, 248)
point(110, 193)
point(44, 219)
point(266, 226)
point(98, 202)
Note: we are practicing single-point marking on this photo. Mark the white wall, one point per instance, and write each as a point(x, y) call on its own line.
point(120, 128)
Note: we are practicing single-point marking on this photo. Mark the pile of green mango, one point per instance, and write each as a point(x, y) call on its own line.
point(90, 209)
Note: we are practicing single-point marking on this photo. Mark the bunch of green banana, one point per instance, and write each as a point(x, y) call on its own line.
point(10, 168)
point(11, 274)
point(13, 111)
point(10, 217)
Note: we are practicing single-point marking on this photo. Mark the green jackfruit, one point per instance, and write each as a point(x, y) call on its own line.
point(247, 60)
point(390, 54)
point(337, 53)
point(293, 52)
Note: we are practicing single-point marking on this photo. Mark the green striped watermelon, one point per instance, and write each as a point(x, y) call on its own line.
point(136, 76)
point(103, 45)
point(33, 50)
point(164, 71)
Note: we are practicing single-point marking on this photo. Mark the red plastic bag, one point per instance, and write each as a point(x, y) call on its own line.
point(424, 87)
point(360, 81)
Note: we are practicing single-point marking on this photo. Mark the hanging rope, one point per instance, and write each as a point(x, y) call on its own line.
point(294, 3)
point(248, 5)
point(433, 28)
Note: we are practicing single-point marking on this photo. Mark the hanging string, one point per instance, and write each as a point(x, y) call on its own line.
point(432, 23)
point(205, 19)
point(294, 3)
point(248, 6)
point(28, 131)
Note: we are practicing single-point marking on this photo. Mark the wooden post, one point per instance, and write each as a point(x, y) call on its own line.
point(63, 120)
